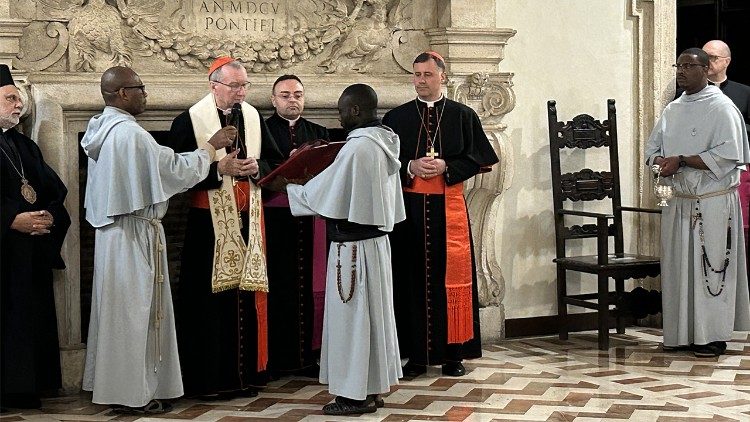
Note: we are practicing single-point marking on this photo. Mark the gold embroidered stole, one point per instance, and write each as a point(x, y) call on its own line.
point(235, 263)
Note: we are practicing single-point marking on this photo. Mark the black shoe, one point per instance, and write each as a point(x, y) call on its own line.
point(675, 348)
point(312, 371)
point(454, 369)
point(720, 345)
point(414, 370)
point(706, 350)
point(154, 407)
point(223, 396)
point(247, 392)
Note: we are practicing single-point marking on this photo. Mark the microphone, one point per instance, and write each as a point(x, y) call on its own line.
point(234, 118)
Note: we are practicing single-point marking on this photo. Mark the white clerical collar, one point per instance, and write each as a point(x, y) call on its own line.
point(5, 130)
point(291, 122)
point(431, 103)
point(717, 83)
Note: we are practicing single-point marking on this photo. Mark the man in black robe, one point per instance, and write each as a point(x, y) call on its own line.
point(32, 230)
point(442, 145)
point(296, 248)
point(222, 333)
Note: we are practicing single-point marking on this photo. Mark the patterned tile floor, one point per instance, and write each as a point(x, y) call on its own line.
point(534, 379)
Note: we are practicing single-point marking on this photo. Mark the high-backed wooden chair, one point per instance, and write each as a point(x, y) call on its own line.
point(585, 185)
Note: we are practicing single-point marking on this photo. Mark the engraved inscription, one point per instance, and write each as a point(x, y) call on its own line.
point(240, 18)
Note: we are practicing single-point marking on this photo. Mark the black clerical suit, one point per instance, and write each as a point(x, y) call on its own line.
point(289, 253)
point(419, 243)
point(30, 352)
point(217, 333)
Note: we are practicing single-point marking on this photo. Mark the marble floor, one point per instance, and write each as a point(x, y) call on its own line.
point(531, 379)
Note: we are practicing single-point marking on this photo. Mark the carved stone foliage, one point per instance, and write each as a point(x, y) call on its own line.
point(491, 95)
point(587, 185)
point(267, 35)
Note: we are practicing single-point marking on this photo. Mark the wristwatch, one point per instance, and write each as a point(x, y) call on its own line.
point(683, 163)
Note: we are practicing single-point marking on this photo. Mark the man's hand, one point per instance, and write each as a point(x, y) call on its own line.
point(230, 165)
point(427, 167)
point(278, 184)
point(223, 137)
point(669, 165)
point(33, 222)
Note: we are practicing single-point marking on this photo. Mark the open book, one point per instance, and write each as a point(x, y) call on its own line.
point(309, 160)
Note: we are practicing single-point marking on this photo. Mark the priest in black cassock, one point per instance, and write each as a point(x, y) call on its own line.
point(32, 230)
point(442, 145)
point(222, 293)
point(296, 248)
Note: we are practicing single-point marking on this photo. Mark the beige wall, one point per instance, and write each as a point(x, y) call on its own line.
point(579, 56)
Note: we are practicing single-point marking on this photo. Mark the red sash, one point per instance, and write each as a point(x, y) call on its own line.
point(199, 198)
point(458, 277)
point(261, 303)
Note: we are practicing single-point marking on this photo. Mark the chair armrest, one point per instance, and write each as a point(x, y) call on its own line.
point(585, 214)
point(637, 209)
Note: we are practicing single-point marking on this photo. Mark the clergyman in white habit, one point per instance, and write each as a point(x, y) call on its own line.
point(700, 143)
point(359, 195)
point(131, 357)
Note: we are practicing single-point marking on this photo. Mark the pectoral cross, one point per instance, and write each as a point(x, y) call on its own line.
point(432, 154)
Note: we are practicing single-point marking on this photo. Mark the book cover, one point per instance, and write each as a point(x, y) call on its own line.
point(309, 160)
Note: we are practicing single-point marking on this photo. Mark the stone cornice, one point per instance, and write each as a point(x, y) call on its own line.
point(10, 33)
point(470, 50)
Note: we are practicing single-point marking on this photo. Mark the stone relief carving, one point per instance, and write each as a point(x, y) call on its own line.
point(267, 35)
point(491, 95)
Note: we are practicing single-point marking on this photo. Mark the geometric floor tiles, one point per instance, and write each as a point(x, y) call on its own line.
point(530, 379)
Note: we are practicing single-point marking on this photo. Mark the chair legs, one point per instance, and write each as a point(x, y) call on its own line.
point(562, 308)
point(620, 290)
point(603, 312)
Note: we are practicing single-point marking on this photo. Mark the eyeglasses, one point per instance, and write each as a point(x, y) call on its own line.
point(234, 87)
point(714, 58)
point(687, 66)
point(141, 87)
point(287, 96)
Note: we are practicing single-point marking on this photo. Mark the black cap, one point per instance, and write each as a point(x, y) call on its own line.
point(5, 77)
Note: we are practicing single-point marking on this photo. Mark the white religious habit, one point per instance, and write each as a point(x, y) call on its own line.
point(360, 190)
point(703, 274)
point(131, 355)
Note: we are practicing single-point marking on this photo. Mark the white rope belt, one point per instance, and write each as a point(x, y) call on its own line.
point(158, 279)
point(706, 195)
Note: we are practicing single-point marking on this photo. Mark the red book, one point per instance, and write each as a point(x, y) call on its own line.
point(309, 160)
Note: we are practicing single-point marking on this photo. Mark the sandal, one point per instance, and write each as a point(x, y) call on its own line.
point(379, 402)
point(157, 406)
point(343, 406)
point(153, 407)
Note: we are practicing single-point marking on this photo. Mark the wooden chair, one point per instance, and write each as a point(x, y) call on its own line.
point(585, 185)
